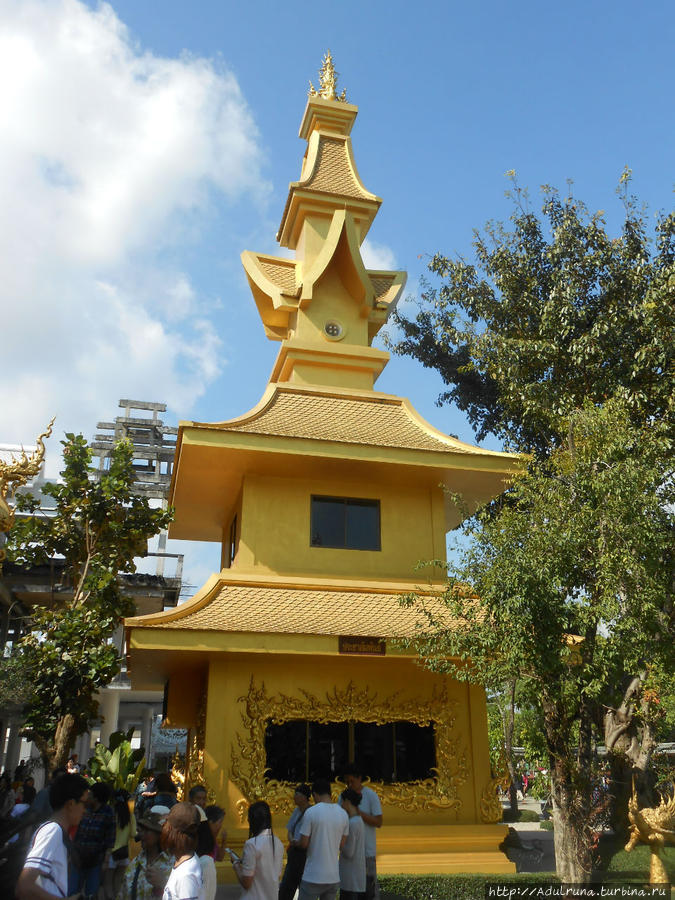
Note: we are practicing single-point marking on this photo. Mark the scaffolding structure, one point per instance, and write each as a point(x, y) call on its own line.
point(154, 445)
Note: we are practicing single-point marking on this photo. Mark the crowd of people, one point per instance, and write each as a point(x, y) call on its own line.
point(331, 846)
point(77, 839)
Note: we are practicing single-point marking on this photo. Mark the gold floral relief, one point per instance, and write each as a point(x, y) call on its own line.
point(187, 777)
point(490, 806)
point(349, 704)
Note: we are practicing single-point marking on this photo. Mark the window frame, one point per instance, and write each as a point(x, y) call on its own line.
point(372, 502)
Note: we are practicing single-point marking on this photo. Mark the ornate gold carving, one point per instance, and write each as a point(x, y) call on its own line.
point(187, 777)
point(248, 766)
point(327, 82)
point(654, 826)
point(490, 807)
point(177, 773)
point(14, 474)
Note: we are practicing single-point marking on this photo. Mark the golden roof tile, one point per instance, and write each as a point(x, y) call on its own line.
point(277, 610)
point(381, 284)
point(280, 273)
point(332, 171)
point(353, 420)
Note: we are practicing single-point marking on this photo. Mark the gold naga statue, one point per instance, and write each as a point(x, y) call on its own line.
point(654, 826)
point(327, 82)
point(14, 474)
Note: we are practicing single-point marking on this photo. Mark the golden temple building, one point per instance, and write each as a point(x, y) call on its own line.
point(325, 497)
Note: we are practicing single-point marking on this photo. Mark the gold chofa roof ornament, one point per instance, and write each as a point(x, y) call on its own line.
point(327, 82)
point(14, 474)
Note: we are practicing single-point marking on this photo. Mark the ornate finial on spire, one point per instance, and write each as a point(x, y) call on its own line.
point(328, 82)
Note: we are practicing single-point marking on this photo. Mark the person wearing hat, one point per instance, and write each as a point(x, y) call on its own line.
point(145, 876)
point(179, 837)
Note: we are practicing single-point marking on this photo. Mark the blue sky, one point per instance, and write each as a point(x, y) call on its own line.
point(144, 145)
point(451, 95)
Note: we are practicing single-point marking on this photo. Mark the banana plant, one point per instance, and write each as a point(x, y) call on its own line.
point(118, 764)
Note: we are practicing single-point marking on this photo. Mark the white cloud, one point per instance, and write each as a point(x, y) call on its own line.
point(377, 256)
point(108, 156)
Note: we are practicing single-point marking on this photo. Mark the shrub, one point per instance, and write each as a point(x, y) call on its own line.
point(528, 815)
point(523, 815)
point(452, 887)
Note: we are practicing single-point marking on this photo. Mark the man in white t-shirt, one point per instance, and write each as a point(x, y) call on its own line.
point(370, 810)
point(45, 872)
point(323, 833)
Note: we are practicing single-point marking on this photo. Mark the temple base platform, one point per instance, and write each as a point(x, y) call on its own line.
point(441, 849)
point(429, 850)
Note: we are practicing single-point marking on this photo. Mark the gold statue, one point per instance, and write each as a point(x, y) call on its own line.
point(652, 826)
point(14, 474)
point(328, 82)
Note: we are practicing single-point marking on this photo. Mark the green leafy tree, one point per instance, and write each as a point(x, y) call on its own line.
point(98, 528)
point(552, 312)
point(513, 721)
point(529, 734)
point(14, 686)
point(574, 573)
point(501, 727)
point(559, 340)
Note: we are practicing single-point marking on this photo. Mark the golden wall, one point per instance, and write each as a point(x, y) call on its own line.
point(275, 529)
point(244, 690)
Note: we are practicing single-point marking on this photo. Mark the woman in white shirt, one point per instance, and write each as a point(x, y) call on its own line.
point(259, 868)
point(179, 837)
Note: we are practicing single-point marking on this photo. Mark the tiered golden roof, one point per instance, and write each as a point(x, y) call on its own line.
point(312, 609)
point(325, 220)
point(367, 419)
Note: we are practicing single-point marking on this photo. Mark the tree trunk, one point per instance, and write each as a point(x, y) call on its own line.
point(55, 752)
point(63, 740)
point(570, 794)
point(571, 835)
point(629, 754)
point(509, 718)
point(619, 790)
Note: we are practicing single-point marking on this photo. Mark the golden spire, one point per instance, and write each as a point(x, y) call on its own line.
point(327, 82)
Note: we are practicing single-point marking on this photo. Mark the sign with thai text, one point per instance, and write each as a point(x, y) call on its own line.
point(367, 646)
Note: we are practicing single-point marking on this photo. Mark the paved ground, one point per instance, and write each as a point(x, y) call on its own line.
point(536, 853)
point(228, 892)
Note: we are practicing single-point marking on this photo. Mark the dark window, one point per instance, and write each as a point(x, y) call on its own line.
point(415, 751)
point(397, 751)
point(342, 522)
point(328, 745)
point(232, 541)
point(286, 750)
